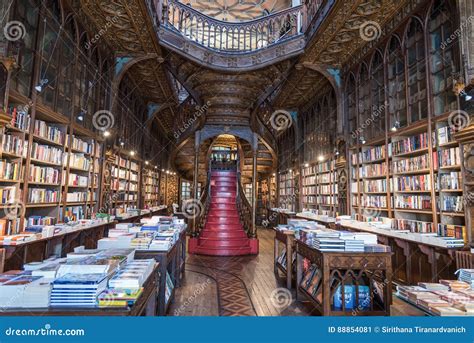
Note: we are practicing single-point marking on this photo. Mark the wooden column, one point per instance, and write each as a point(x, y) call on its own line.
point(197, 142)
point(254, 185)
point(466, 139)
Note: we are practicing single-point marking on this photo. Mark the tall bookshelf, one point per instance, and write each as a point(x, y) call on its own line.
point(320, 187)
point(151, 187)
point(287, 190)
point(49, 168)
point(414, 176)
point(124, 183)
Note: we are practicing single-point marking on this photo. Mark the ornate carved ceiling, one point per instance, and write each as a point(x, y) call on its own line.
point(237, 10)
point(232, 96)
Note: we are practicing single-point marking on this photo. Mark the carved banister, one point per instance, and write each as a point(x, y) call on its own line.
point(233, 36)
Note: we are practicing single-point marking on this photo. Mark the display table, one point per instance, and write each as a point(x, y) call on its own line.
point(343, 269)
point(161, 210)
point(172, 261)
point(329, 222)
point(287, 238)
point(416, 258)
point(144, 306)
point(40, 249)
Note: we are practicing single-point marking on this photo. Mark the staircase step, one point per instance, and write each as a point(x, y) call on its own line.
point(223, 243)
point(222, 220)
point(218, 200)
point(223, 251)
point(223, 213)
point(223, 184)
point(220, 206)
point(210, 234)
point(220, 227)
point(223, 173)
point(223, 188)
point(216, 193)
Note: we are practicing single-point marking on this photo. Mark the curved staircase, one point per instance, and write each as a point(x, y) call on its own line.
point(223, 233)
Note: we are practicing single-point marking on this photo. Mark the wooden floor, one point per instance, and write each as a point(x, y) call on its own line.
point(243, 286)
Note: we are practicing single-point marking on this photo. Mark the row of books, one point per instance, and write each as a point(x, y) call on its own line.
point(39, 174)
point(450, 181)
point(9, 170)
point(451, 203)
point(372, 186)
point(12, 144)
point(375, 153)
point(77, 180)
point(41, 195)
point(376, 201)
point(449, 157)
point(40, 220)
point(445, 134)
point(79, 161)
point(50, 132)
point(20, 117)
point(8, 195)
point(416, 202)
point(81, 145)
point(411, 164)
point(413, 183)
point(410, 144)
point(73, 213)
point(47, 153)
point(372, 170)
point(77, 197)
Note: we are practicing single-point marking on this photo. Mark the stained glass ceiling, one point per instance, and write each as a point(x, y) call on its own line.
point(237, 10)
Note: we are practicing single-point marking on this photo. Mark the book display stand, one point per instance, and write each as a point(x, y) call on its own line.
point(283, 259)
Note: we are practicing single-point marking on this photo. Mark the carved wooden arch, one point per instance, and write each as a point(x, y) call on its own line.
point(323, 69)
point(119, 77)
point(154, 116)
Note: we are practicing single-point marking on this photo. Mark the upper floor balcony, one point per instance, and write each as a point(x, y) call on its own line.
point(240, 45)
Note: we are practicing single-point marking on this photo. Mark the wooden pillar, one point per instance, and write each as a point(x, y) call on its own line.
point(254, 185)
point(466, 140)
point(197, 143)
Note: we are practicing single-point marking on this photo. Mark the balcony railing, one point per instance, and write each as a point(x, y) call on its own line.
point(234, 37)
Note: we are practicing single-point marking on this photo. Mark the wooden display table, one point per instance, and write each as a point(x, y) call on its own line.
point(416, 258)
point(172, 261)
point(144, 306)
point(40, 249)
point(343, 269)
point(287, 238)
point(329, 222)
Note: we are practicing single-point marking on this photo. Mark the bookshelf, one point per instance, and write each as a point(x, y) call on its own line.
point(124, 183)
point(320, 187)
point(151, 186)
point(413, 176)
point(287, 190)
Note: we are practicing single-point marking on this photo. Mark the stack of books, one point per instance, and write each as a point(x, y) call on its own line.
point(19, 290)
point(161, 244)
point(466, 275)
point(77, 290)
point(133, 275)
point(353, 245)
point(118, 297)
point(329, 244)
point(140, 243)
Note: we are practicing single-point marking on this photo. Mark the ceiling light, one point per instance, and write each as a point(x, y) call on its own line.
point(468, 97)
point(122, 143)
point(321, 158)
point(395, 126)
point(146, 162)
point(362, 140)
point(106, 134)
point(306, 165)
point(132, 153)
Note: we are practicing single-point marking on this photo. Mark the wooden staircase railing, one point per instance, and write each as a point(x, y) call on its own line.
point(244, 208)
point(233, 37)
point(205, 200)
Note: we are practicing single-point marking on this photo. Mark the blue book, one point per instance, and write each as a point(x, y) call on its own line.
point(348, 298)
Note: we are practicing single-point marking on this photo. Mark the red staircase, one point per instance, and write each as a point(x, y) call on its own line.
point(223, 233)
